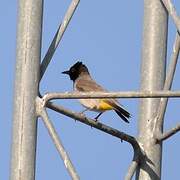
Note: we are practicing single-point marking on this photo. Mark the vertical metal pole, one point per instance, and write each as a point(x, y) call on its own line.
point(26, 89)
point(152, 78)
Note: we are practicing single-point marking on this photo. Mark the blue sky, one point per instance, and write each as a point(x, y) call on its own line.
point(107, 37)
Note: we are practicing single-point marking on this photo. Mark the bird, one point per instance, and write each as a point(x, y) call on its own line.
point(83, 82)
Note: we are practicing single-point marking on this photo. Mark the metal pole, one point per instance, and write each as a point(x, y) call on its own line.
point(152, 78)
point(26, 89)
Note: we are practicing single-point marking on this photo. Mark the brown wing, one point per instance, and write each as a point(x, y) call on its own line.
point(88, 85)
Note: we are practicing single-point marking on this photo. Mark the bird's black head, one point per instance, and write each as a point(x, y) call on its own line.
point(76, 70)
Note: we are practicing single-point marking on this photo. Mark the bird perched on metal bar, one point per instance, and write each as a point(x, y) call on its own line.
point(83, 82)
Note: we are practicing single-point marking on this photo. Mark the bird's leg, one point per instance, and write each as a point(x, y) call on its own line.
point(82, 112)
point(96, 118)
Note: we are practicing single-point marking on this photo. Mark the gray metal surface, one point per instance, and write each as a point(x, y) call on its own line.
point(152, 78)
point(26, 89)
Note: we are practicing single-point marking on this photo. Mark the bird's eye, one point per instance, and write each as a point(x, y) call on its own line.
point(72, 70)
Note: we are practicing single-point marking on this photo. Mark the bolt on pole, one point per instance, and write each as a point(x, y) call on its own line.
point(28, 53)
point(152, 78)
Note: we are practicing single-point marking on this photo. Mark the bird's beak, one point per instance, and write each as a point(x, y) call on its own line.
point(65, 72)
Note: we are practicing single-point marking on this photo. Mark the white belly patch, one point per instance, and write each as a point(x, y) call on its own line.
point(91, 104)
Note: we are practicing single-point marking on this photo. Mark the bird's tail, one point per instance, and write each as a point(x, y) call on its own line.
point(125, 115)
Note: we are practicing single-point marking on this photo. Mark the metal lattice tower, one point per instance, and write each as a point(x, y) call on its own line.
point(155, 90)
